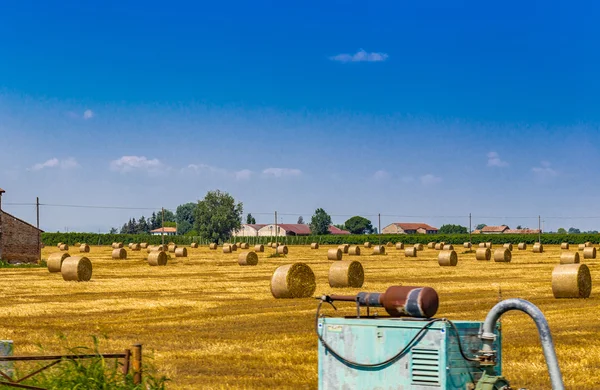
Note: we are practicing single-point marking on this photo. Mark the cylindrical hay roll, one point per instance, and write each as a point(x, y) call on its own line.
point(293, 281)
point(344, 248)
point(522, 246)
point(588, 244)
point(77, 268)
point(227, 248)
point(334, 254)
point(346, 274)
point(55, 261)
point(431, 245)
point(117, 245)
point(448, 258)
point(390, 244)
point(443, 243)
point(244, 245)
point(508, 246)
point(538, 248)
point(367, 245)
point(354, 250)
point(247, 258)
point(181, 252)
point(282, 250)
point(119, 254)
point(135, 247)
point(379, 250)
point(448, 247)
point(481, 245)
point(59, 244)
point(129, 245)
point(158, 258)
point(502, 255)
point(418, 247)
point(410, 252)
point(144, 245)
point(274, 245)
point(84, 248)
point(194, 245)
point(234, 247)
point(581, 247)
point(589, 253)
point(172, 248)
point(571, 281)
point(212, 246)
point(564, 245)
point(439, 246)
point(314, 245)
point(171, 243)
point(64, 247)
point(569, 258)
point(259, 248)
point(270, 244)
point(488, 245)
point(149, 249)
point(467, 245)
point(483, 254)
point(399, 245)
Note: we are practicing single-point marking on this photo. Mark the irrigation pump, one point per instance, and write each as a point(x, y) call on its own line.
point(411, 349)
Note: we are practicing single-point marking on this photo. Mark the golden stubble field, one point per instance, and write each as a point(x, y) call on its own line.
point(213, 324)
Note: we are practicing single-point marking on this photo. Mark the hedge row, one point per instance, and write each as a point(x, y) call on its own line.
point(107, 239)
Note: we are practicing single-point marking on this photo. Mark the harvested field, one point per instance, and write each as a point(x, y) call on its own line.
point(214, 324)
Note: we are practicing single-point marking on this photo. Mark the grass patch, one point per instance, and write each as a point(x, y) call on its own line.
point(6, 264)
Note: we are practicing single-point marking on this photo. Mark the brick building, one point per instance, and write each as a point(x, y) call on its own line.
point(20, 242)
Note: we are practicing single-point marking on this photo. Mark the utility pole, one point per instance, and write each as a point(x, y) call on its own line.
point(276, 229)
point(539, 229)
point(470, 228)
point(37, 212)
point(162, 230)
point(379, 227)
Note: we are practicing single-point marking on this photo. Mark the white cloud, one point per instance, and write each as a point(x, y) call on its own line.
point(495, 161)
point(360, 56)
point(131, 163)
point(282, 172)
point(88, 114)
point(199, 168)
point(430, 179)
point(68, 163)
point(381, 175)
point(244, 174)
point(544, 171)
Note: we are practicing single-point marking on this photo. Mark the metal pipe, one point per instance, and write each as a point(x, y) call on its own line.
point(537, 316)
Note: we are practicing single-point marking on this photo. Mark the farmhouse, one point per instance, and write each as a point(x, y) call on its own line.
point(20, 242)
point(293, 229)
point(169, 231)
point(248, 230)
point(494, 229)
point(409, 228)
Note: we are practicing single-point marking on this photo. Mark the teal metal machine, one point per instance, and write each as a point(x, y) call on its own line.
point(411, 349)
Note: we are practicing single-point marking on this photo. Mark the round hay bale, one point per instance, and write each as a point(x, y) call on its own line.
point(389, 244)
point(334, 254)
point(247, 258)
point(467, 245)
point(149, 249)
point(314, 245)
point(588, 244)
point(431, 245)
point(212, 246)
point(399, 246)
point(282, 250)
point(77, 244)
point(346, 274)
point(194, 245)
point(410, 252)
point(64, 247)
point(508, 246)
point(259, 248)
point(379, 250)
point(129, 245)
point(502, 255)
point(234, 247)
point(274, 245)
point(144, 245)
point(84, 248)
point(76, 268)
point(55, 261)
point(483, 254)
point(448, 247)
point(439, 246)
point(158, 258)
point(569, 258)
point(244, 245)
point(135, 247)
point(581, 247)
point(344, 248)
point(538, 248)
point(589, 253)
point(448, 258)
point(117, 245)
point(418, 247)
point(571, 281)
point(481, 245)
point(564, 245)
point(522, 246)
point(119, 254)
point(488, 245)
point(443, 243)
point(181, 252)
point(172, 248)
point(227, 248)
point(293, 281)
point(270, 244)
point(367, 244)
point(59, 244)
point(354, 250)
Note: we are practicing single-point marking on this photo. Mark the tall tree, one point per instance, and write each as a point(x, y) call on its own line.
point(359, 225)
point(143, 227)
point(217, 215)
point(185, 217)
point(572, 230)
point(320, 222)
point(561, 231)
point(480, 226)
point(300, 220)
point(154, 221)
point(250, 220)
point(453, 229)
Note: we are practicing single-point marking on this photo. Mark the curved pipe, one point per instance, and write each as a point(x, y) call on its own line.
point(536, 314)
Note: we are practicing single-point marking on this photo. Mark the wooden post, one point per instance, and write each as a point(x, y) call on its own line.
point(126, 361)
point(137, 364)
point(162, 233)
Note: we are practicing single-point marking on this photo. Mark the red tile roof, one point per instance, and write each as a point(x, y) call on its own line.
point(336, 230)
point(299, 229)
point(166, 230)
point(414, 226)
point(494, 229)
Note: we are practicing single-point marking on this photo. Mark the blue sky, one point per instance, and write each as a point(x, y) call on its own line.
point(431, 110)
